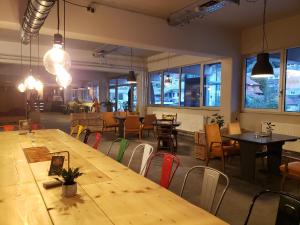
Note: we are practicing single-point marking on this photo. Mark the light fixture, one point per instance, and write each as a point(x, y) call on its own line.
point(57, 54)
point(263, 67)
point(38, 85)
point(168, 79)
point(63, 77)
point(131, 75)
point(21, 87)
point(30, 82)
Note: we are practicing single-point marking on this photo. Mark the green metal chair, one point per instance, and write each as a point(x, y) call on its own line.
point(123, 146)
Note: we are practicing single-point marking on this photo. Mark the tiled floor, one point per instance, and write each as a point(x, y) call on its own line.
point(237, 200)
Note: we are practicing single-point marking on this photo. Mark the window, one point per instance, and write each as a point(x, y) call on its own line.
point(155, 88)
point(212, 84)
point(292, 81)
point(190, 86)
point(262, 93)
point(171, 87)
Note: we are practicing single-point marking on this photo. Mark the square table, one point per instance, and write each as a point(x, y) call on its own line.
point(250, 145)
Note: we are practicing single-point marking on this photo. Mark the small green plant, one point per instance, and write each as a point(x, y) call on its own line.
point(70, 175)
point(269, 127)
point(218, 119)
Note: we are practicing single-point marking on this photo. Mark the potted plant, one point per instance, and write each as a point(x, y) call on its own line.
point(269, 128)
point(218, 119)
point(69, 187)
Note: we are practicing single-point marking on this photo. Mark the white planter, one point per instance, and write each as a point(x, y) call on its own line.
point(69, 190)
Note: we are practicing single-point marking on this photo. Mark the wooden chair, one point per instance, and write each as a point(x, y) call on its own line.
point(122, 148)
point(234, 128)
point(215, 146)
point(290, 169)
point(165, 136)
point(147, 151)
point(210, 183)
point(8, 127)
point(122, 113)
point(98, 140)
point(148, 124)
point(167, 171)
point(109, 121)
point(132, 124)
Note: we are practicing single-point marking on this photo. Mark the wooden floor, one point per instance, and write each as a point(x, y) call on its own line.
point(108, 192)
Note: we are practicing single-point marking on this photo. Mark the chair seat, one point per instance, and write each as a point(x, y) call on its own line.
point(228, 150)
point(293, 169)
point(112, 125)
point(147, 127)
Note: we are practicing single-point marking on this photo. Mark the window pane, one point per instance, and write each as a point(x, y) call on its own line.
point(155, 88)
point(262, 93)
point(112, 96)
point(123, 97)
point(113, 82)
point(134, 102)
point(212, 84)
point(190, 86)
point(122, 81)
point(292, 83)
point(171, 87)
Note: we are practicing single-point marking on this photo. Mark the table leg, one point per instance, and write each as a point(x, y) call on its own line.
point(274, 157)
point(248, 151)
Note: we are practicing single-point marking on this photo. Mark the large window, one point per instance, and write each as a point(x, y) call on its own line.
point(212, 84)
point(190, 86)
point(171, 87)
point(262, 93)
point(155, 88)
point(292, 80)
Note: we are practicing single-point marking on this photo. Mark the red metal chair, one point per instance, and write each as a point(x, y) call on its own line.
point(167, 171)
point(98, 140)
point(8, 128)
point(35, 126)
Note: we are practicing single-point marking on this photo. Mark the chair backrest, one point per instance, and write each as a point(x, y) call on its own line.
point(148, 150)
point(123, 146)
point(108, 117)
point(288, 211)
point(132, 122)
point(165, 129)
point(80, 129)
point(212, 133)
point(234, 128)
point(122, 113)
point(172, 117)
point(149, 119)
point(8, 127)
point(167, 171)
point(210, 183)
point(87, 132)
point(98, 140)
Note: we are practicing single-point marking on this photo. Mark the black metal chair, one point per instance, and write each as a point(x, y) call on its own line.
point(86, 134)
point(288, 212)
point(165, 139)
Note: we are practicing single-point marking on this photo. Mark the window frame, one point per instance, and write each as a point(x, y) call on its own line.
point(201, 106)
point(282, 83)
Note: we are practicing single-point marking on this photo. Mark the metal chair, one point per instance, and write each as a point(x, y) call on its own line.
point(77, 130)
point(288, 212)
point(86, 132)
point(148, 150)
point(98, 140)
point(8, 128)
point(210, 183)
point(123, 146)
point(165, 138)
point(167, 166)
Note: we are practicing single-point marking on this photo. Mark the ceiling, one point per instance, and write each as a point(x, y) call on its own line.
point(248, 13)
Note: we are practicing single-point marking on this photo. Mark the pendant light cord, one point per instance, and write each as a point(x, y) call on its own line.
point(64, 24)
point(58, 19)
point(131, 58)
point(30, 54)
point(264, 27)
point(21, 58)
point(38, 59)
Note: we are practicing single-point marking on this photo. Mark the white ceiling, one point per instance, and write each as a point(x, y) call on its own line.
point(248, 13)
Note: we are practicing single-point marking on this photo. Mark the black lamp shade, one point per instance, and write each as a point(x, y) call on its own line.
point(262, 67)
point(131, 77)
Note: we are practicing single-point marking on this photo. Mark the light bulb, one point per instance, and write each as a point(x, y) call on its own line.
point(63, 78)
point(56, 56)
point(30, 82)
point(39, 85)
point(21, 87)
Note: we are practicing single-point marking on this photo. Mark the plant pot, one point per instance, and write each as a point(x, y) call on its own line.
point(69, 190)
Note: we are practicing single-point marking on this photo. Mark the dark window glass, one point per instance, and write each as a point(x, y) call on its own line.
point(212, 84)
point(171, 87)
point(155, 88)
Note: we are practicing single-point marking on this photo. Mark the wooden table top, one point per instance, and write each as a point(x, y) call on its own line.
point(108, 192)
point(250, 137)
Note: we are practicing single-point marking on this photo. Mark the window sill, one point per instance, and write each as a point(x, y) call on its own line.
point(183, 107)
point(271, 112)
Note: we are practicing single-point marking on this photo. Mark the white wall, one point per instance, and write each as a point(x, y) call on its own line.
point(283, 33)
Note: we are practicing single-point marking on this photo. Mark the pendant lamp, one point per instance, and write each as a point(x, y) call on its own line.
point(263, 67)
point(131, 75)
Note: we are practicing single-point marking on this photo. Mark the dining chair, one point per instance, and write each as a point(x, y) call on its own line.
point(98, 140)
point(109, 122)
point(167, 171)
point(210, 184)
point(77, 130)
point(35, 126)
point(147, 151)
point(86, 134)
point(122, 148)
point(287, 211)
point(215, 146)
point(132, 125)
point(234, 128)
point(165, 136)
point(290, 169)
point(148, 124)
point(8, 127)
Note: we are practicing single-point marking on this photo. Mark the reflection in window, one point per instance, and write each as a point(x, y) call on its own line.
point(155, 88)
point(190, 86)
point(123, 92)
point(262, 93)
point(212, 84)
point(171, 87)
point(112, 96)
point(292, 83)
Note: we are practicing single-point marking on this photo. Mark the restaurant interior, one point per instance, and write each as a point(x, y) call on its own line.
point(150, 112)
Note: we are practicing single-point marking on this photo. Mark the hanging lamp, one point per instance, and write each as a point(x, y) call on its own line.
point(263, 68)
point(21, 86)
point(168, 80)
point(131, 75)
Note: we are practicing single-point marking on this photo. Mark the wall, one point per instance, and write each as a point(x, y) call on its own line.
point(283, 33)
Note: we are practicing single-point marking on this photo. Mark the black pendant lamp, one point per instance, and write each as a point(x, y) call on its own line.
point(131, 75)
point(263, 67)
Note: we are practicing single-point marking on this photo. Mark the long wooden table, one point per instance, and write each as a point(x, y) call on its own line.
point(108, 192)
